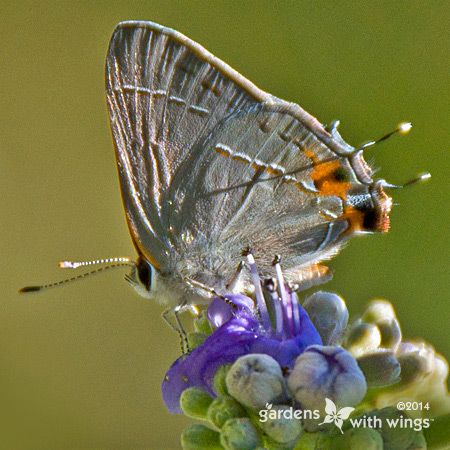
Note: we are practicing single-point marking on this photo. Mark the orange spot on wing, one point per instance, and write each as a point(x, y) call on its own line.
point(354, 218)
point(324, 177)
point(329, 179)
point(222, 152)
point(326, 182)
point(273, 171)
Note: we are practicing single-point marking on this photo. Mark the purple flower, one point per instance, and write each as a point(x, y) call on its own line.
point(220, 312)
point(277, 326)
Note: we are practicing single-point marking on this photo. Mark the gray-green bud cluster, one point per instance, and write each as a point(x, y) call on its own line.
point(374, 340)
point(233, 416)
point(280, 428)
point(378, 328)
point(328, 312)
point(255, 380)
point(254, 394)
point(381, 313)
point(380, 368)
point(326, 372)
point(423, 379)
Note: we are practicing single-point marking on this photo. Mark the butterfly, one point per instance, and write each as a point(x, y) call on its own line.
point(209, 165)
point(212, 167)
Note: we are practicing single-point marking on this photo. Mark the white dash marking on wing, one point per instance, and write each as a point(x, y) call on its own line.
point(176, 99)
point(242, 156)
point(199, 109)
point(277, 168)
point(140, 90)
point(223, 148)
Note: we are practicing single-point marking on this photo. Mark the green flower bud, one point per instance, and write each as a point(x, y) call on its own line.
point(361, 438)
point(324, 441)
point(378, 311)
point(195, 403)
point(363, 338)
point(398, 437)
point(382, 314)
point(391, 334)
point(329, 315)
point(416, 360)
point(326, 372)
point(200, 437)
point(201, 324)
point(195, 339)
point(255, 380)
point(239, 434)
point(280, 428)
point(419, 442)
point(224, 408)
point(308, 441)
point(380, 368)
point(219, 381)
point(270, 444)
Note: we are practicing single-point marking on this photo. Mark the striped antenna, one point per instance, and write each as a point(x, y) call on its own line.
point(402, 128)
point(423, 177)
point(111, 263)
point(125, 260)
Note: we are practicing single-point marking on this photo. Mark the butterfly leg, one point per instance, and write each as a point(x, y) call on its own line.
point(183, 335)
point(234, 280)
point(178, 326)
point(211, 290)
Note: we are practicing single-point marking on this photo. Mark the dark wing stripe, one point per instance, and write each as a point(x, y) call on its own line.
point(174, 57)
point(121, 103)
point(129, 160)
point(202, 54)
point(136, 110)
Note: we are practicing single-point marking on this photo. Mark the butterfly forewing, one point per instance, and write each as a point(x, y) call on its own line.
point(165, 93)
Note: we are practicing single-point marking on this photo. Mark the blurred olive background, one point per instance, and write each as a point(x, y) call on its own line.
point(81, 366)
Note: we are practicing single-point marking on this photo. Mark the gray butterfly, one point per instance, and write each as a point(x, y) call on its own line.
point(209, 165)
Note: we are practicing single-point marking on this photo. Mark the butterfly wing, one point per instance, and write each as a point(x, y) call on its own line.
point(165, 93)
point(207, 160)
point(264, 179)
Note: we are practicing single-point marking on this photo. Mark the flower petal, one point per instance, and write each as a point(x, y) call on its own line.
point(220, 312)
point(198, 368)
point(239, 336)
point(326, 372)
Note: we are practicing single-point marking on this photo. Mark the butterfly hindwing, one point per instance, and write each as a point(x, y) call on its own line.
point(251, 183)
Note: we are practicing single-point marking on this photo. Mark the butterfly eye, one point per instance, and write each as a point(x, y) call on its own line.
point(144, 273)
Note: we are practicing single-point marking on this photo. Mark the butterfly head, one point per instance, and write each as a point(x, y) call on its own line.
point(368, 208)
point(142, 278)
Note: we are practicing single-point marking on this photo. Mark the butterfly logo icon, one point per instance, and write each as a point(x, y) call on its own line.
point(335, 415)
